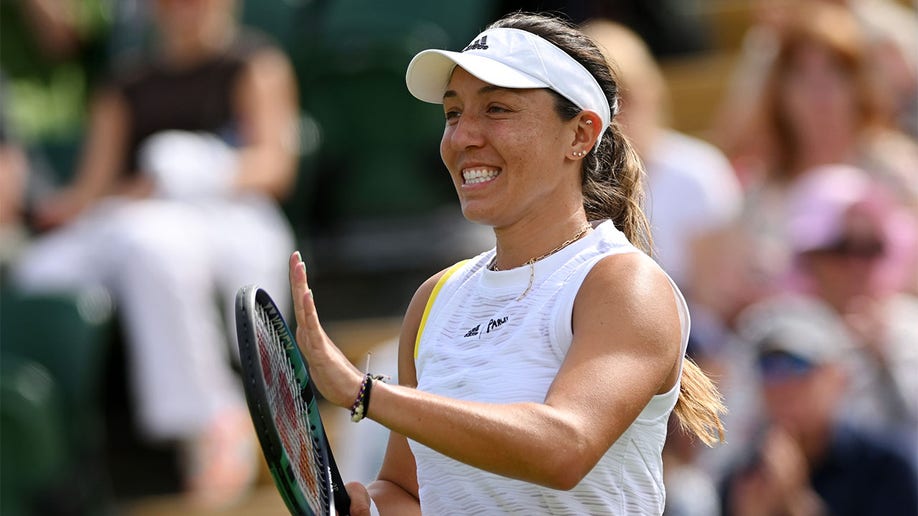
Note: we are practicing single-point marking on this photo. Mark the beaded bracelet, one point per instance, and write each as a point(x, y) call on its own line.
point(362, 404)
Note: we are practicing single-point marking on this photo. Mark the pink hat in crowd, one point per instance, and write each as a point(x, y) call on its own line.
point(840, 208)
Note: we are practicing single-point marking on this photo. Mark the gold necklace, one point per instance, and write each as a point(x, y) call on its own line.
point(531, 261)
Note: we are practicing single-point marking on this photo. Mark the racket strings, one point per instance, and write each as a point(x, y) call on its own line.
point(290, 412)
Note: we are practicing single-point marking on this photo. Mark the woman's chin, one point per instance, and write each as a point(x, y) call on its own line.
point(478, 215)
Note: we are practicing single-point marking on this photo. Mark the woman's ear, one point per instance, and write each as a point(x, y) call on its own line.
point(586, 133)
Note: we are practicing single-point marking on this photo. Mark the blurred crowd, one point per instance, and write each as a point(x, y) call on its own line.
point(172, 151)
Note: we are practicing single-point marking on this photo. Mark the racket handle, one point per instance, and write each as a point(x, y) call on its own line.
point(342, 500)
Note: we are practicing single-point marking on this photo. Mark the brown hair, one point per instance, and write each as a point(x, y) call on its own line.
point(613, 177)
point(834, 29)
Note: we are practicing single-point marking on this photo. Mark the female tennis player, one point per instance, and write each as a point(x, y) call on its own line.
point(537, 377)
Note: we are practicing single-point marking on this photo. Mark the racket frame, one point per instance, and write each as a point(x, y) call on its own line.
point(278, 460)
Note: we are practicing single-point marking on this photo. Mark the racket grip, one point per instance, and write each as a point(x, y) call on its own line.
point(342, 500)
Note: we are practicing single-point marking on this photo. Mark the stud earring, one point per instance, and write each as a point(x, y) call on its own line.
point(589, 122)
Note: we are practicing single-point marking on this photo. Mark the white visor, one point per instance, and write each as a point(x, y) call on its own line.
point(510, 58)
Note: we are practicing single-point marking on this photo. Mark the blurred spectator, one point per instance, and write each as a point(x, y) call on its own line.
point(892, 34)
point(690, 488)
point(816, 107)
point(678, 166)
point(46, 60)
point(52, 52)
point(670, 28)
point(806, 462)
point(174, 206)
point(855, 250)
point(807, 91)
point(13, 176)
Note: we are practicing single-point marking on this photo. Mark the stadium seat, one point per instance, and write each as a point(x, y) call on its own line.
point(32, 442)
point(53, 355)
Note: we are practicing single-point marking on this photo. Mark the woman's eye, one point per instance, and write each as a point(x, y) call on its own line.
point(497, 109)
point(452, 115)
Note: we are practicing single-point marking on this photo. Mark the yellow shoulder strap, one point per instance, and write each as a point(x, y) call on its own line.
point(430, 301)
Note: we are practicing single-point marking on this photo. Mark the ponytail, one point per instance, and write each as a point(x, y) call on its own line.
point(700, 405)
point(613, 177)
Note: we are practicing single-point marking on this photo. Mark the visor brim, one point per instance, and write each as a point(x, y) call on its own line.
point(429, 73)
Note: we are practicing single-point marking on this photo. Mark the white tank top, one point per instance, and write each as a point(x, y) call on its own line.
point(479, 342)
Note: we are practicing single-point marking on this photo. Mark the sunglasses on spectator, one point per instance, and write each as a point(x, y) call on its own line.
point(848, 248)
point(781, 365)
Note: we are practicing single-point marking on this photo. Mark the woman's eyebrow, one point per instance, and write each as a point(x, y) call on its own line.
point(484, 89)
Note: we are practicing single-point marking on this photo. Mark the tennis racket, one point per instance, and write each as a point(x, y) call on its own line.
point(283, 406)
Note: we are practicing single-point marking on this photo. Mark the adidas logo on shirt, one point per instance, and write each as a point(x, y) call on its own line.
point(493, 324)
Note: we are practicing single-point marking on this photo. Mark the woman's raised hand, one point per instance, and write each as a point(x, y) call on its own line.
point(332, 373)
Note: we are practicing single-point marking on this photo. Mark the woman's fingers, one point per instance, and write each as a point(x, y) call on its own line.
point(360, 499)
point(298, 285)
point(307, 320)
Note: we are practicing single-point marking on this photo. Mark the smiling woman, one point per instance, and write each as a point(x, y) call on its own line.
point(538, 376)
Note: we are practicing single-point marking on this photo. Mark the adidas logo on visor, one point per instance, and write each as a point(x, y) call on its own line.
point(479, 44)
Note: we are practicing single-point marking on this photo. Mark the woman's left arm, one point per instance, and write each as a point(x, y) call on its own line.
point(625, 350)
point(267, 106)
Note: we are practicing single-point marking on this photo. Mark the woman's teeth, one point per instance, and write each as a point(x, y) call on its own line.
point(478, 175)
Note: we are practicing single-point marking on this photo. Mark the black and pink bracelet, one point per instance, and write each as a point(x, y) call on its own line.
point(362, 404)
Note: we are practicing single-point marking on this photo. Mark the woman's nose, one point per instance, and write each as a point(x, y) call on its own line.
point(466, 132)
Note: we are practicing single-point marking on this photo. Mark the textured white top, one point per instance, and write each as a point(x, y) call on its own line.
point(482, 344)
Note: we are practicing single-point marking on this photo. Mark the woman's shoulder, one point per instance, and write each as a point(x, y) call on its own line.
point(630, 296)
point(625, 275)
point(628, 271)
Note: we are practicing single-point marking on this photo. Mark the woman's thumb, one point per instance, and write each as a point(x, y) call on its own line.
point(360, 499)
